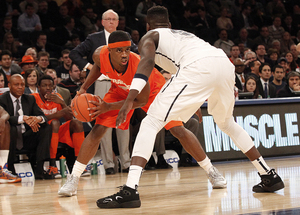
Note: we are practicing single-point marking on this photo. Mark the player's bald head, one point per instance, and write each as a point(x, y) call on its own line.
point(158, 17)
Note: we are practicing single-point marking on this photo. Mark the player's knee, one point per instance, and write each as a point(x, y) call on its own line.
point(76, 125)
point(178, 131)
point(55, 125)
point(226, 125)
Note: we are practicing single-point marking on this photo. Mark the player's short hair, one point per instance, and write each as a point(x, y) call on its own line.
point(118, 36)
point(157, 14)
point(45, 77)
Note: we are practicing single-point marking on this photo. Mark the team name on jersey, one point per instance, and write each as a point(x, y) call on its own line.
point(48, 112)
point(121, 84)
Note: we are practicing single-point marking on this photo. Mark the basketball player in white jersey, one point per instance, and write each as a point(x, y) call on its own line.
point(201, 72)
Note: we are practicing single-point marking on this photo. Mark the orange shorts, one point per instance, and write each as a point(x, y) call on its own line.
point(64, 134)
point(109, 118)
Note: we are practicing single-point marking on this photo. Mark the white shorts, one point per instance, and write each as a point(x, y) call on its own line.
point(210, 78)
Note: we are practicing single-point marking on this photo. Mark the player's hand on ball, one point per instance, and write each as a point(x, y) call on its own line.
point(81, 91)
point(100, 108)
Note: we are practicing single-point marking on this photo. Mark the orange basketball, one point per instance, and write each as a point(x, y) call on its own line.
point(80, 105)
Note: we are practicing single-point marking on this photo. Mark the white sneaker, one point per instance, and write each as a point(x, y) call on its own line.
point(216, 179)
point(70, 187)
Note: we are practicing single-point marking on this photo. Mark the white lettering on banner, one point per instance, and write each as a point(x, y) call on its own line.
point(260, 130)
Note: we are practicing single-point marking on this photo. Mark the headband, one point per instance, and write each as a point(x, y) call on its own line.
point(119, 44)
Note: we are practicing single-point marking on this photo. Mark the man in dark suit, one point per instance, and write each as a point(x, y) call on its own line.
point(7, 27)
point(293, 80)
point(30, 131)
point(265, 88)
point(239, 73)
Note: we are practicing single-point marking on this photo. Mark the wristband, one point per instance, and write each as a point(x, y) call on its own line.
point(138, 83)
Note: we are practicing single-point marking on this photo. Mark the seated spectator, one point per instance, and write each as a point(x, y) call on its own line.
point(63, 70)
point(275, 8)
point(278, 76)
point(276, 45)
point(31, 78)
point(32, 53)
point(243, 38)
point(74, 8)
point(8, 68)
point(43, 62)
point(10, 44)
point(29, 130)
point(88, 20)
point(264, 38)
point(2, 80)
point(261, 54)
point(5, 174)
point(7, 27)
point(223, 42)
point(75, 41)
point(292, 65)
point(293, 84)
point(295, 53)
point(117, 6)
point(54, 107)
point(273, 55)
point(42, 44)
point(135, 36)
point(187, 22)
point(28, 23)
point(59, 18)
point(254, 68)
point(297, 39)
point(65, 93)
point(27, 63)
point(23, 4)
point(122, 25)
point(283, 62)
point(286, 42)
point(249, 56)
point(73, 82)
point(290, 26)
point(265, 88)
point(141, 14)
point(45, 17)
point(223, 22)
point(251, 86)
point(239, 73)
point(276, 30)
point(234, 53)
point(10, 8)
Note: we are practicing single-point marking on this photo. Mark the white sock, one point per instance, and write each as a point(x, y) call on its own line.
point(78, 168)
point(3, 157)
point(261, 166)
point(205, 164)
point(134, 175)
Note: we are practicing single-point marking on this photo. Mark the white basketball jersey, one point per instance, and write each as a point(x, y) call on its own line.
point(177, 48)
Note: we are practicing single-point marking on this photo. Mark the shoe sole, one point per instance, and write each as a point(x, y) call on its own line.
point(131, 204)
point(67, 194)
point(6, 181)
point(223, 186)
point(275, 187)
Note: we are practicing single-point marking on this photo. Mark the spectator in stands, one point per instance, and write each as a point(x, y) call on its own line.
point(117, 6)
point(10, 44)
point(283, 62)
point(43, 62)
point(278, 75)
point(273, 55)
point(31, 78)
point(187, 22)
point(42, 44)
point(10, 8)
point(244, 20)
point(88, 20)
point(65, 93)
point(135, 36)
point(264, 38)
point(243, 38)
point(27, 63)
point(297, 39)
point(46, 17)
point(223, 22)
point(122, 25)
point(28, 23)
point(249, 56)
point(276, 30)
point(141, 14)
point(2, 81)
point(60, 17)
point(74, 8)
point(7, 27)
point(293, 84)
point(23, 4)
point(275, 8)
point(8, 68)
point(286, 42)
point(31, 52)
point(73, 82)
point(261, 54)
point(276, 45)
point(204, 25)
point(239, 73)
point(290, 26)
point(5, 174)
point(214, 8)
point(223, 42)
point(29, 131)
point(63, 70)
point(265, 88)
point(254, 68)
point(291, 63)
point(295, 53)
point(54, 107)
point(251, 86)
point(234, 53)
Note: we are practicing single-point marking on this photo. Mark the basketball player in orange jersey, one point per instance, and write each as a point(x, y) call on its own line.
point(119, 64)
point(54, 107)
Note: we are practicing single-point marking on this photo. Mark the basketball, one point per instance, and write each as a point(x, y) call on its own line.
point(80, 105)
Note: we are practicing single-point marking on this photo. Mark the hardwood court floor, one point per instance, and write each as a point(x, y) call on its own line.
point(178, 191)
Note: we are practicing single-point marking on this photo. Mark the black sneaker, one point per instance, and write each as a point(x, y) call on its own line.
point(125, 198)
point(269, 183)
point(162, 164)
